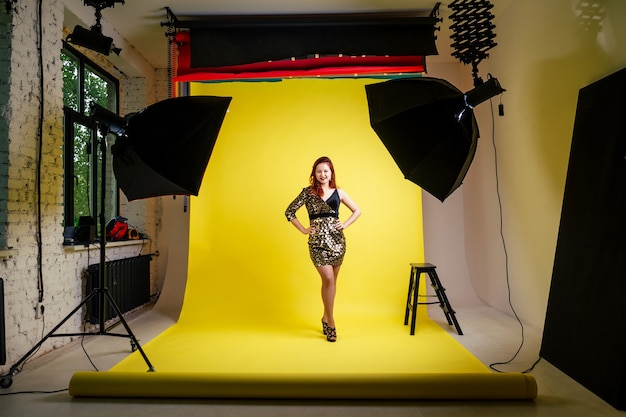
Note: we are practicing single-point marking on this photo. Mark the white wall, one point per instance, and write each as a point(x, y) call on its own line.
point(543, 57)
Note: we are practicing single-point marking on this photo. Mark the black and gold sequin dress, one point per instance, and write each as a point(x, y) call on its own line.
point(328, 245)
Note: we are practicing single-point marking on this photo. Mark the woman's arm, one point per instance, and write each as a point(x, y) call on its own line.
point(290, 213)
point(306, 230)
point(347, 201)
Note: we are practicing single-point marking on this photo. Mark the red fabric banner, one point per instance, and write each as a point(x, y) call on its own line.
point(322, 66)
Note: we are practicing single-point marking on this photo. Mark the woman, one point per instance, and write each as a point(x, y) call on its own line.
point(327, 244)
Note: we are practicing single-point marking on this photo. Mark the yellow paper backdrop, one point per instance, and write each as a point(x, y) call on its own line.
point(250, 325)
point(249, 265)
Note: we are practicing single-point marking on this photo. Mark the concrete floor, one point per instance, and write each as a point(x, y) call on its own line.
point(489, 335)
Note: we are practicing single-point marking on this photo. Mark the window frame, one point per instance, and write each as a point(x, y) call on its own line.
point(71, 117)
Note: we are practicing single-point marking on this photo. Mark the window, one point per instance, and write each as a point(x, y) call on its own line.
point(84, 83)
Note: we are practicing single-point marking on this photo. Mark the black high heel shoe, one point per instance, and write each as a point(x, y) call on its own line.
point(324, 327)
point(331, 334)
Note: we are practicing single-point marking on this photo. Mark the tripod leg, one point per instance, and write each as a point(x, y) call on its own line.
point(6, 380)
point(129, 331)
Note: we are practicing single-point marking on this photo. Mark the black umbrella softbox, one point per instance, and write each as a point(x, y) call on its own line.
point(167, 146)
point(427, 128)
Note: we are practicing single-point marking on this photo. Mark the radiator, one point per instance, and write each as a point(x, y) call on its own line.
point(126, 280)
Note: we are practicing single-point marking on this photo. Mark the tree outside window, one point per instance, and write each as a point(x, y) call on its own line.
point(83, 84)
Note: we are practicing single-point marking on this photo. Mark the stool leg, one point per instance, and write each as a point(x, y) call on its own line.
point(443, 301)
point(439, 291)
point(416, 286)
point(408, 298)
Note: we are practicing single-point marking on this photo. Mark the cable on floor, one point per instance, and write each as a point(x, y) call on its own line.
point(506, 254)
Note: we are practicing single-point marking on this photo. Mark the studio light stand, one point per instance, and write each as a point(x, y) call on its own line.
point(105, 123)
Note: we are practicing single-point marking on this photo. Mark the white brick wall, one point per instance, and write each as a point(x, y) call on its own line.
point(61, 269)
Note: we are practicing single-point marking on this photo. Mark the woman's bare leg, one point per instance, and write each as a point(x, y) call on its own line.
point(328, 274)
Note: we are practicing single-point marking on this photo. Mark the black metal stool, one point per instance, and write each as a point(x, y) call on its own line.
point(412, 299)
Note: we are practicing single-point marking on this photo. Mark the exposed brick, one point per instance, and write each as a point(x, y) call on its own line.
point(20, 98)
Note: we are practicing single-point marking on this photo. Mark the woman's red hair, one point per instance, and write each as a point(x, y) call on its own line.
point(316, 187)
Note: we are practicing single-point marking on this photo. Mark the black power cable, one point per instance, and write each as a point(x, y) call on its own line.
point(40, 285)
point(506, 254)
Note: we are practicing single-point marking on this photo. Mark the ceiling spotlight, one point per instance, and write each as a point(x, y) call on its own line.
point(93, 39)
point(102, 4)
